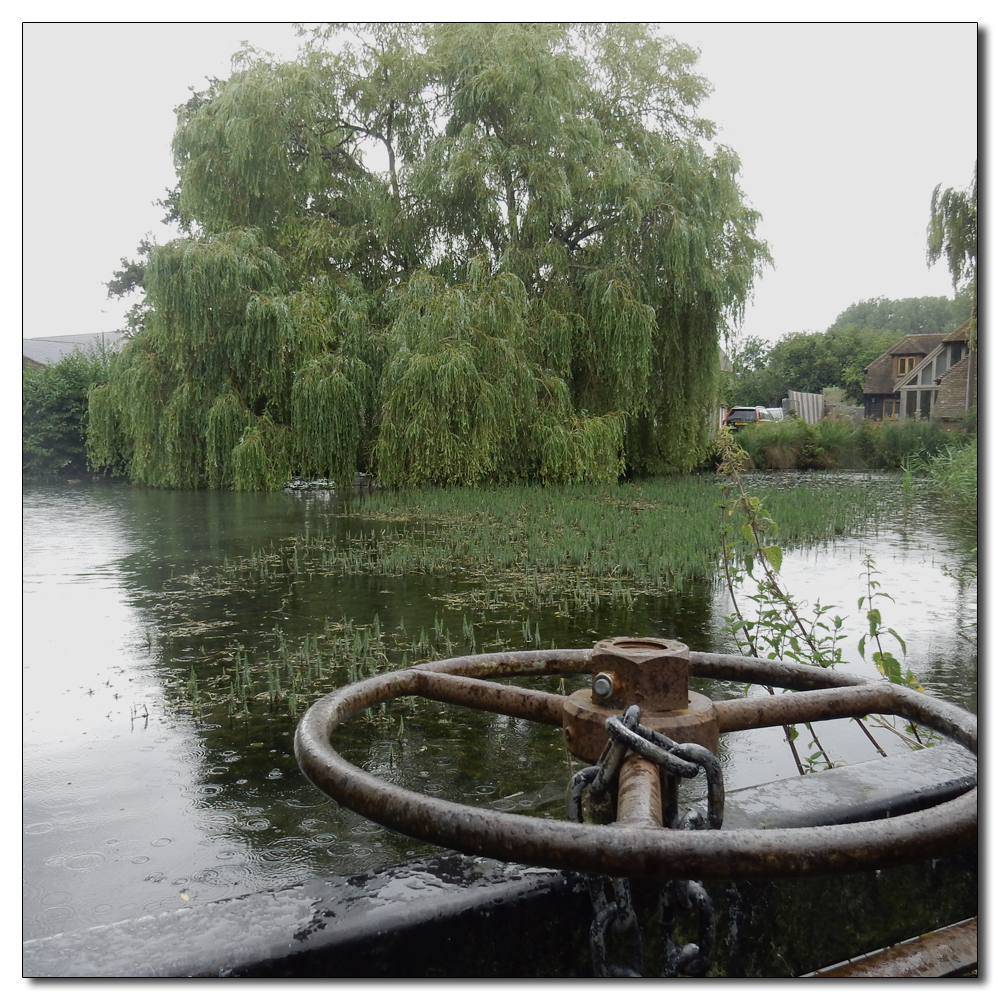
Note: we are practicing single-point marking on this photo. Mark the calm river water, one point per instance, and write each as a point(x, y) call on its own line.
point(136, 802)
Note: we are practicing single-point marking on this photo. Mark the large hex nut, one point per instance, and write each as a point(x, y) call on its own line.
point(650, 673)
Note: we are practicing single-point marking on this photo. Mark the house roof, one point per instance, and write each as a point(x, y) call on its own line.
point(880, 375)
point(962, 333)
point(50, 350)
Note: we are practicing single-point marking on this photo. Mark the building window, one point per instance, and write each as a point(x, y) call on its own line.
point(918, 403)
point(890, 409)
point(905, 364)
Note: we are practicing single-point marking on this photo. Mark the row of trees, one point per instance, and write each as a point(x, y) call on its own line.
point(809, 362)
point(451, 253)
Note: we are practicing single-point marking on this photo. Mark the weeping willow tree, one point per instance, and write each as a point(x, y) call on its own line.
point(450, 253)
point(953, 233)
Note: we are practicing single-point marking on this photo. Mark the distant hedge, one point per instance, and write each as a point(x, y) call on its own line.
point(838, 443)
point(54, 414)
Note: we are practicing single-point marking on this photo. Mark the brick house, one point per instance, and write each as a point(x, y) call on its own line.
point(923, 375)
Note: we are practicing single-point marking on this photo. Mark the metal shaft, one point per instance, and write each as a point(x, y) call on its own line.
point(640, 802)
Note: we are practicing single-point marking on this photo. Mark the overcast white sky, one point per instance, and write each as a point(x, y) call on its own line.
point(843, 130)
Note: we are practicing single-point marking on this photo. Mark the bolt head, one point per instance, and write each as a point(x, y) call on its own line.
point(603, 685)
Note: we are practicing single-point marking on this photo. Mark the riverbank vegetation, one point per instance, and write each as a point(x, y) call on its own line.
point(54, 414)
point(836, 442)
point(948, 458)
point(955, 472)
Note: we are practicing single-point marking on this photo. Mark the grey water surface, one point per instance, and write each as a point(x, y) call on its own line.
point(134, 802)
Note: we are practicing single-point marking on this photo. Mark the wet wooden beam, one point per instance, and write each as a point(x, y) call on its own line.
point(949, 952)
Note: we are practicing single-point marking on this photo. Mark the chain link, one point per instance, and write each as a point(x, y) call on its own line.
point(691, 959)
point(614, 914)
point(589, 800)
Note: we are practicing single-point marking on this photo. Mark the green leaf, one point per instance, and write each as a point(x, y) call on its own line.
point(897, 637)
point(874, 620)
point(888, 666)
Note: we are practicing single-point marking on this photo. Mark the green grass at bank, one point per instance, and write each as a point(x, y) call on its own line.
point(955, 473)
point(649, 534)
point(838, 443)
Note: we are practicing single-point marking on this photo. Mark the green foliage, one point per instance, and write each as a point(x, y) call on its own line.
point(329, 396)
point(836, 442)
point(955, 471)
point(968, 422)
point(263, 458)
point(587, 448)
point(227, 419)
point(809, 362)
point(781, 628)
point(778, 445)
point(749, 378)
point(929, 314)
point(54, 414)
point(832, 444)
point(953, 233)
point(870, 644)
point(893, 444)
point(794, 444)
point(441, 253)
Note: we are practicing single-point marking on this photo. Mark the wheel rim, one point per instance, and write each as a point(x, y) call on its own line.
point(622, 850)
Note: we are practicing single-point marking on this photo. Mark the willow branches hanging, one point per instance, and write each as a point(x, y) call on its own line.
point(453, 253)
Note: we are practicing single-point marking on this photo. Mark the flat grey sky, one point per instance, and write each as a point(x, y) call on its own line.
point(843, 130)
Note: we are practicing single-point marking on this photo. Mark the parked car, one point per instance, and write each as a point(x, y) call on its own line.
point(740, 416)
point(777, 413)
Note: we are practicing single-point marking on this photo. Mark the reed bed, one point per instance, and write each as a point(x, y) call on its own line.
point(955, 473)
point(288, 675)
point(837, 443)
point(529, 553)
point(612, 543)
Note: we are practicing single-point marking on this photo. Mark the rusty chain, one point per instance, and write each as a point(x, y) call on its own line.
point(692, 959)
point(611, 898)
point(614, 914)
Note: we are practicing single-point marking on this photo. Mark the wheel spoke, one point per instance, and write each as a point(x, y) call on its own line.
point(799, 706)
point(506, 699)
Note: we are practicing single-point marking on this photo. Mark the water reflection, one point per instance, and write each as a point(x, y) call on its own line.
point(134, 803)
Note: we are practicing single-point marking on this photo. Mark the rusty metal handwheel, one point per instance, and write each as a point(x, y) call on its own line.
point(623, 850)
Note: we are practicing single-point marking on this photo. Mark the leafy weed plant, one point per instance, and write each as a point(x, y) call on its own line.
point(783, 628)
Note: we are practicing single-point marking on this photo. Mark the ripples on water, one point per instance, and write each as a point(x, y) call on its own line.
point(133, 805)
